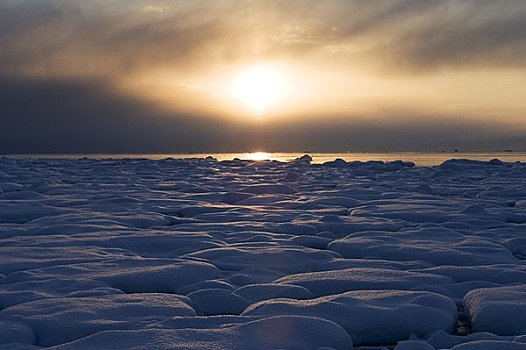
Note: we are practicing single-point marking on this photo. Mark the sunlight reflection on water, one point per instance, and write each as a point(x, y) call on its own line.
point(419, 158)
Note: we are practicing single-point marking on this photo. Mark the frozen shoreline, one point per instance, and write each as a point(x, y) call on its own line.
point(183, 254)
point(419, 158)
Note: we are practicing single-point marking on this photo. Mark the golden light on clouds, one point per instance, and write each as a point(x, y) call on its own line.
point(258, 90)
point(156, 8)
point(226, 70)
point(266, 91)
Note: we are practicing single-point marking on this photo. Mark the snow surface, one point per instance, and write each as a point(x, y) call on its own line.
point(206, 254)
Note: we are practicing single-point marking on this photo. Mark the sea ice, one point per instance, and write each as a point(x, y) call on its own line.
point(339, 281)
point(59, 320)
point(285, 332)
point(378, 316)
point(500, 310)
point(207, 254)
point(490, 345)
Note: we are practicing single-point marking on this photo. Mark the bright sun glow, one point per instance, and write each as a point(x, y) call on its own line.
point(257, 156)
point(258, 87)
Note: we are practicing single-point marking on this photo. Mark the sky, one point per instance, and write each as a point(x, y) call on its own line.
point(145, 76)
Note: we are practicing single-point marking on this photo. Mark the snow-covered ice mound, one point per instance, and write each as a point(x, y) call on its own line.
point(285, 332)
point(372, 316)
point(202, 254)
point(338, 281)
point(58, 320)
point(491, 345)
point(500, 310)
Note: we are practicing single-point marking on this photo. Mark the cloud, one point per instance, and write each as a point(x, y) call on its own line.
point(156, 8)
point(413, 35)
point(57, 116)
point(50, 116)
point(460, 34)
point(104, 38)
point(64, 66)
point(100, 39)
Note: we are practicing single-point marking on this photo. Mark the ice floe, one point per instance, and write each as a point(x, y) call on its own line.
point(371, 316)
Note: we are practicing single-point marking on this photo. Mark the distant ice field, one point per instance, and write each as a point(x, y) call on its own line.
point(419, 158)
point(224, 254)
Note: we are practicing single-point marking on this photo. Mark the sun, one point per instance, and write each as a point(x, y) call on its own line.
point(257, 156)
point(258, 87)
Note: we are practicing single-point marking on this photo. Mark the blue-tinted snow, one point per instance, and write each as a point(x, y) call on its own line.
point(202, 254)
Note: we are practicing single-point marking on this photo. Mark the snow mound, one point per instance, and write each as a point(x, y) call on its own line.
point(490, 345)
point(20, 212)
point(371, 316)
point(206, 254)
point(281, 260)
point(339, 281)
point(434, 246)
point(15, 332)
point(215, 301)
point(263, 291)
point(499, 310)
point(413, 345)
point(60, 320)
point(268, 189)
point(26, 291)
point(497, 273)
point(129, 275)
point(286, 332)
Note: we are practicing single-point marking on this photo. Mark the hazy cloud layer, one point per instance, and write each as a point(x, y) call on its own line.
point(78, 117)
point(62, 64)
point(113, 37)
point(75, 116)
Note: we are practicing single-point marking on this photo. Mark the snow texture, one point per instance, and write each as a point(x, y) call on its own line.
point(207, 254)
point(500, 310)
point(371, 316)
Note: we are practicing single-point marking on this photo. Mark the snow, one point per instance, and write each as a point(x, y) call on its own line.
point(207, 254)
point(443, 340)
point(338, 281)
point(378, 316)
point(500, 310)
point(59, 320)
point(491, 345)
point(285, 332)
point(263, 291)
point(15, 332)
point(413, 345)
point(217, 301)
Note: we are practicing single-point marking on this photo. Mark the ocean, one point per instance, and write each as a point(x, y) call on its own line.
point(419, 158)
